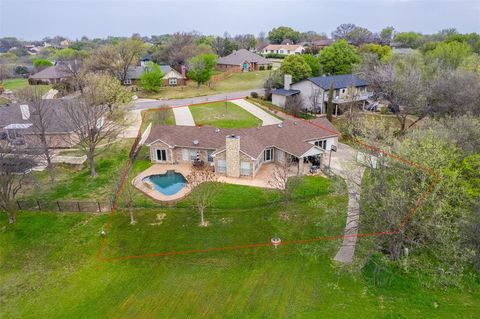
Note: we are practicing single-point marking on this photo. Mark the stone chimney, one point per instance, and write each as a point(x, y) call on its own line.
point(232, 155)
point(184, 71)
point(287, 81)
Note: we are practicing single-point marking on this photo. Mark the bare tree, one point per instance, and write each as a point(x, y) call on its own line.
point(117, 60)
point(93, 122)
point(280, 178)
point(294, 105)
point(203, 185)
point(42, 116)
point(316, 98)
point(13, 174)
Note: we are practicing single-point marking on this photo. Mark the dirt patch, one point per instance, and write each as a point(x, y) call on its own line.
point(159, 219)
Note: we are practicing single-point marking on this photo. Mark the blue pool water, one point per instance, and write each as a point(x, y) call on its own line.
point(169, 183)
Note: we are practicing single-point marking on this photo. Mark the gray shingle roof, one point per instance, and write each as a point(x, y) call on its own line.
point(242, 55)
point(292, 137)
point(136, 72)
point(285, 92)
point(339, 81)
point(58, 122)
point(52, 72)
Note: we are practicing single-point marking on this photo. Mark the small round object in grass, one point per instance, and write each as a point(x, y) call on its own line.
point(276, 241)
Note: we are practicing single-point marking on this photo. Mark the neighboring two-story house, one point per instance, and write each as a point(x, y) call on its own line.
point(286, 49)
point(314, 91)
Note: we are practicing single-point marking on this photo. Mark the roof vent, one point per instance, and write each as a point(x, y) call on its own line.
point(195, 142)
point(217, 130)
point(280, 125)
point(25, 111)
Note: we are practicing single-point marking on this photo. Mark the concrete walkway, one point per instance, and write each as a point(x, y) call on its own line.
point(266, 118)
point(135, 121)
point(344, 164)
point(183, 116)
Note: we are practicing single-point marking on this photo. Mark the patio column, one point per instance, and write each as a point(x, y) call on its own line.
point(300, 166)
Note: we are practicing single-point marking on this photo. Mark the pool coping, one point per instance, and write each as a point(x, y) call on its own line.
point(148, 190)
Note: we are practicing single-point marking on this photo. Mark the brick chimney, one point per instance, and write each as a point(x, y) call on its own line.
point(232, 155)
point(287, 81)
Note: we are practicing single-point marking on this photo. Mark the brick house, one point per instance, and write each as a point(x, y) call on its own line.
point(242, 152)
point(243, 61)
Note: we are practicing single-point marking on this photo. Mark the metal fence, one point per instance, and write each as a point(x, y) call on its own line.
point(64, 206)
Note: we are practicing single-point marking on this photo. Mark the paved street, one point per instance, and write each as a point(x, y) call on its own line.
point(142, 104)
point(266, 118)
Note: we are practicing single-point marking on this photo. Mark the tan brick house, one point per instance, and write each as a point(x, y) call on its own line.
point(242, 152)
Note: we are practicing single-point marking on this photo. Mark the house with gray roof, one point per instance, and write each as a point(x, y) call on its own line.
point(242, 61)
point(51, 75)
point(171, 76)
point(20, 125)
point(243, 152)
point(348, 88)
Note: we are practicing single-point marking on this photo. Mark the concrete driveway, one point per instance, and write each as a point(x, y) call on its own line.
point(183, 116)
point(344, 164)
point(266, 118)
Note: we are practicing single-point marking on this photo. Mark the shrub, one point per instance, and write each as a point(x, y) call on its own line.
point(383, 110)
point(269, 67)
point(275, 55)
point(254, 95)
point(261, 68)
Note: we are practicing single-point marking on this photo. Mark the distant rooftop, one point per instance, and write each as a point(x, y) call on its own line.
point(339, 81)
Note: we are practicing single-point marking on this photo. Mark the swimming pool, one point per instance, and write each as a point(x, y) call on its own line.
point(169, 183)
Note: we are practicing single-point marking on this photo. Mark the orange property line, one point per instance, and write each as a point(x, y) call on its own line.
point(290, 242)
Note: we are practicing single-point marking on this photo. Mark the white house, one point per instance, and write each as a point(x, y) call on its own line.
point(286, 49)
point(314, 91)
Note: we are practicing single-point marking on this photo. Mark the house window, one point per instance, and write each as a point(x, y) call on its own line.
point(193, 155)
point(343, 90)
point(322, 144)
point(210, 158)
point(127, 82)
point(172, 81)
point(245, 168)
point(222, 166)
point(268, 155)
point(161, 155)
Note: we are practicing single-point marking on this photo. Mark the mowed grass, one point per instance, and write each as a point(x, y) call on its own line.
point(223, 115)
point(163, 116)
point(49, 266)
point(235, 82)
point(73, 183)
point(19, 83)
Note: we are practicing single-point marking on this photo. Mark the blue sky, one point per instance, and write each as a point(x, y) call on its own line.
point(35, 19)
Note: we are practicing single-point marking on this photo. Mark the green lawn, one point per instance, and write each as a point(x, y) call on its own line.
point(235, 82)
point(161, 116)
point(223, 115)
point(50, 270)
point(15, 84)
point(72, 183)
point(19, 83)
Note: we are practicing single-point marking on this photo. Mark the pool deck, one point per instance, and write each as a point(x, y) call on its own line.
point(261, 179)
point(157, 169)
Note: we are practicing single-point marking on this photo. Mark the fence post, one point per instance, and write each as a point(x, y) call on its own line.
point(78, 205)
point(38, 204)
point(18, 204)
point(99, 207)
point(58, 205)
